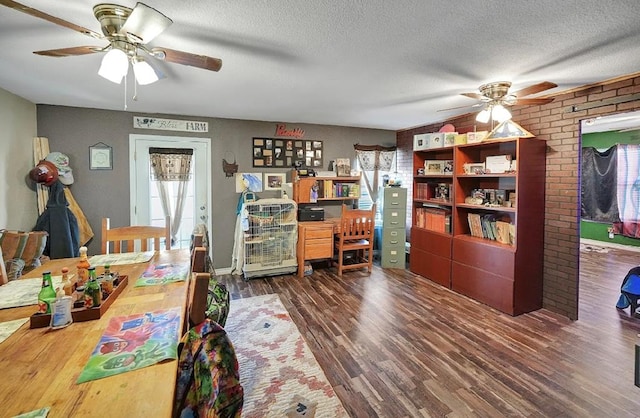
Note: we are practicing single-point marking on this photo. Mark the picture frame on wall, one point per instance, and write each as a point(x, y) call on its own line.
point(100, 157)
point(281, 153)
point(274, 181)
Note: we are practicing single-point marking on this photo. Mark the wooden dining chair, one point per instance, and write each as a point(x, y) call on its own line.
point(354, 242)
point(199, 260)
point(198, 295)
point(3, 271)
point(132, 234)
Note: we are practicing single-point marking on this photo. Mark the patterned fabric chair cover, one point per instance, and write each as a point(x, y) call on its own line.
point(208, 382)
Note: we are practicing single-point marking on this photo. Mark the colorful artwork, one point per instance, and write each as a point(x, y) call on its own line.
point(248, 181)
point(133, 342)
point(163, 274)
point(23, 292)
point(121, 258)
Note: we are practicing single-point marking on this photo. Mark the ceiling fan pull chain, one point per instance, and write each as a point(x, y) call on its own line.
point(125, 92)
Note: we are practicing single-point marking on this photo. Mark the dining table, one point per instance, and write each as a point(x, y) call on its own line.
point(39, 367)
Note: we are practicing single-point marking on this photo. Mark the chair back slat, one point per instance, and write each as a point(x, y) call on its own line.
point(357, 224)
point(198, 293)
point(356, 235)
point(114, 237)
point(199, 260)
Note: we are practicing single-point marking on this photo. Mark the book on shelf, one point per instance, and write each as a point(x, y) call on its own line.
point(433, 219)
point(490, 227)
point(502, 232)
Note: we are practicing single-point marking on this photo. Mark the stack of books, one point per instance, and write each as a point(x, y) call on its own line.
point(488, 227)
point(434, 219)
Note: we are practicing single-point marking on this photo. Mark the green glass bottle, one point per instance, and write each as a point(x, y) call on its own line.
point(92, 291)
point(47, 294)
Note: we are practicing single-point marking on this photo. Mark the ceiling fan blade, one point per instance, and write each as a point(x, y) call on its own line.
point(37, 13)
point(186, 58)
point(66, 52)
point(145, 23)
point(536, 88)
point(534, 101)
point(473, 95)
point(461, 107)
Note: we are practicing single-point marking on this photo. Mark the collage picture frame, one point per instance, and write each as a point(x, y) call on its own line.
point(281, 153)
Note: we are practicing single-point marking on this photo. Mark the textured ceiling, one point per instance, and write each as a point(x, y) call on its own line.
point(373, 63)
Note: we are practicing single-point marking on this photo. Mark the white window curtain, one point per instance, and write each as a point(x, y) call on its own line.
point(171, 166)
point(373, 159)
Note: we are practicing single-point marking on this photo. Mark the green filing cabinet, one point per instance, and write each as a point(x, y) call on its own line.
point(394, 221)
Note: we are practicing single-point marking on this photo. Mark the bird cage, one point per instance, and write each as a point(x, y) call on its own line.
point(270, 237)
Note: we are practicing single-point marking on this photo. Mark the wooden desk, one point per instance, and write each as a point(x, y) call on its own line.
point(315, 241)
point(39, 367)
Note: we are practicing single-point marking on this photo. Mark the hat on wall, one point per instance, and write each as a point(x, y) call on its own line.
point(61, 161)
point(45, 172)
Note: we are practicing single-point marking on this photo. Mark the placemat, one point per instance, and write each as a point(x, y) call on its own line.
point(9, 327)
point(24, 292)
point(132, 342)
point(162, 274)
point(119, 259)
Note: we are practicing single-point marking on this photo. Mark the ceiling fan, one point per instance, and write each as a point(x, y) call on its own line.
point(495, 97)
point(128, 32)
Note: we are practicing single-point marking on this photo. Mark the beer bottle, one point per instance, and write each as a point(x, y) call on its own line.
point(82, 267)
point(92, 291)
point(47, 294)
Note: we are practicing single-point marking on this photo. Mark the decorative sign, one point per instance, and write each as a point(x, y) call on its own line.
point(142, 122)
point(281, 130)
point(279, 153)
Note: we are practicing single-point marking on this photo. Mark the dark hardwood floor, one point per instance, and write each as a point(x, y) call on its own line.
point(394, 344)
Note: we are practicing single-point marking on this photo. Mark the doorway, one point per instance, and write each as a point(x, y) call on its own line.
point(145, 204)
point(600, 250)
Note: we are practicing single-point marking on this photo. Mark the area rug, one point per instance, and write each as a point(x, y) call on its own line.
point(279, 374)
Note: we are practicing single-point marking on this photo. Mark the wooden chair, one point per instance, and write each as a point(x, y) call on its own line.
point(131, 234)
point(199, 260)
point(3, 271)
point(356, 234)
point(198, 294)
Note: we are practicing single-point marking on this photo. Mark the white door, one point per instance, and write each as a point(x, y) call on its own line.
point(145, 204)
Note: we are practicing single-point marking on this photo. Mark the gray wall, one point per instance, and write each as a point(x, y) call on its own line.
point(105, 193)
point(18, 202)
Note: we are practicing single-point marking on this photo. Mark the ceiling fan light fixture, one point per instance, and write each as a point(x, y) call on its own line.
point(500, 113)
point(483, 116)
point(114, 66)
point(145, 73)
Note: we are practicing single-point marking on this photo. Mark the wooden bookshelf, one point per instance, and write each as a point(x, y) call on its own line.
point(494, 251)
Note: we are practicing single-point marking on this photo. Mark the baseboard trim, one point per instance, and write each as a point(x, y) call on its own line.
point(609, 245)
point(225, 270)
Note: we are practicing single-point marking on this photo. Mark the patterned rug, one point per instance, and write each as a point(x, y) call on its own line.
point(279, 374)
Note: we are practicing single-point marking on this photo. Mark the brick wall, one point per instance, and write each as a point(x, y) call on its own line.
point(560, 127)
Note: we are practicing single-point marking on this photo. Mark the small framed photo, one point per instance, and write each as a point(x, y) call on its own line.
point(433, 167)
point(273, 181)
point(473, 168)
point(100, 157)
